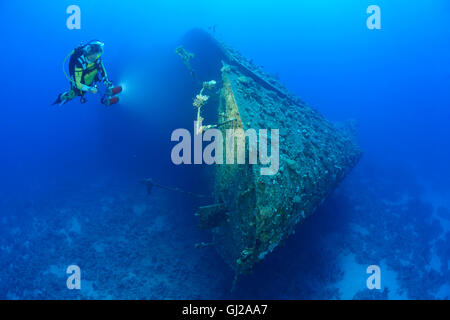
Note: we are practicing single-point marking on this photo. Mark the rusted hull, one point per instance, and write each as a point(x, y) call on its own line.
point(260, 211)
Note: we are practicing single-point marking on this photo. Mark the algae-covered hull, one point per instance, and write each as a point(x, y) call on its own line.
point(254, 212)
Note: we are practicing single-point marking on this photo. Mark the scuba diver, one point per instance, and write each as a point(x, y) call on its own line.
point(86, 69)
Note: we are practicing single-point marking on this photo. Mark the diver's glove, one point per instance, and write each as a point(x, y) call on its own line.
point(88, 88)
point(108, 84)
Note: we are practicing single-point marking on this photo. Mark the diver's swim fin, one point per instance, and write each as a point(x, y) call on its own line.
point(59, 101)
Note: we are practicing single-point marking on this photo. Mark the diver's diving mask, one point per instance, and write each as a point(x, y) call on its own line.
point(94, 48)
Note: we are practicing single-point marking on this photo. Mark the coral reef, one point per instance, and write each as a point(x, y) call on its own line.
point(186, 56)
point(131, 246)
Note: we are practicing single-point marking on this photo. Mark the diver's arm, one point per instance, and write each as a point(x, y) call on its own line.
point(104, 75)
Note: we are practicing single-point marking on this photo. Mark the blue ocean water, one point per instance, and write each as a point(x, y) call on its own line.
point(70, 176)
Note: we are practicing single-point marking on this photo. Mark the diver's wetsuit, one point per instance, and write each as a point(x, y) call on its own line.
point(83, 74)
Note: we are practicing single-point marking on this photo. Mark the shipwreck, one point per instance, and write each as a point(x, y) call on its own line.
point(253, 213)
